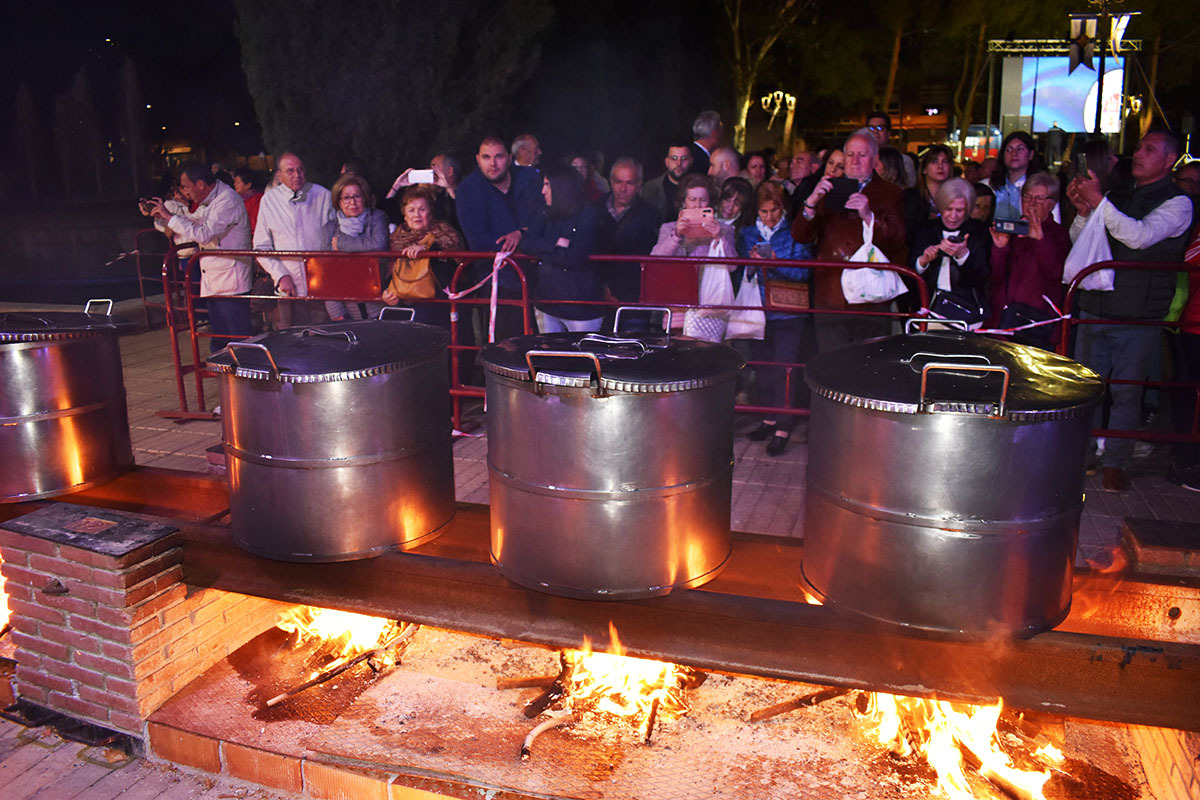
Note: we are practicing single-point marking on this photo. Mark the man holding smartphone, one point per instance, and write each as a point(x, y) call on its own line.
point(1147, 220)
point(833, 217)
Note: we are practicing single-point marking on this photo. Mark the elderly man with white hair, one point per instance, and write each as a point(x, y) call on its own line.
point(706, 135)
point(835, 223)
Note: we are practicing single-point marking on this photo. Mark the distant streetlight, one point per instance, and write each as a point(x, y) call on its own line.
point(148, 105)
point(236, 124)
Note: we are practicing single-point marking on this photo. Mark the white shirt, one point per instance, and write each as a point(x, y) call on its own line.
point(1172, 218)
point(220, 222)
point(303, 220)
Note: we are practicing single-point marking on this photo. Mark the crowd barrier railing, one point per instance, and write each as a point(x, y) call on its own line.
point(1072, 320)
point(685, 296)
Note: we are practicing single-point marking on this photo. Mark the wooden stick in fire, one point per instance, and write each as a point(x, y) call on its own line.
point(805, 701)
point(531, 682)
point(552, 694)
point(997, 780)
point(553, 722)
point(332, 672)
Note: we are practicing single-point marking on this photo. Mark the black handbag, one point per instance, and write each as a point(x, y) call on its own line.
point(1016, 315)
point(960, 306)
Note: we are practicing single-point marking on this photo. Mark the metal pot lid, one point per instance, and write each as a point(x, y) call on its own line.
point(45, 326)
point(957, 372)
point(639, 364)
point(340, 351)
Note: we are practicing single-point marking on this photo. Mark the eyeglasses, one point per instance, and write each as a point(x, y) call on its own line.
point(1039, 198)
point(352, 198)
point(877, 127)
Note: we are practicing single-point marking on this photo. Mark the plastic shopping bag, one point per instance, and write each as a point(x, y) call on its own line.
point(748, 321)
point(716, 289)
point(867, 285)
point(1090, 248)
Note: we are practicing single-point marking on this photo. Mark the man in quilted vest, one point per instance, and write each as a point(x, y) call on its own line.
point(1147, 220)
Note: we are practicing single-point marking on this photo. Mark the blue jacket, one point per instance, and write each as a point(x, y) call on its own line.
point(486, 213)
point(784, 247)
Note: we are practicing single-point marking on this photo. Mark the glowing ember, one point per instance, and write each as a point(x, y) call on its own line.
point(950, 736)
point(342, 635)
point(633, 689)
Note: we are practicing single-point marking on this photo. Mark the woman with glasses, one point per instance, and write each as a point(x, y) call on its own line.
point(1026, 279)
point(360, 228)
point(950, 251)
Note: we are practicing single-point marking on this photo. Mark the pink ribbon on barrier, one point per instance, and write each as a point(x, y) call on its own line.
point(497, 262)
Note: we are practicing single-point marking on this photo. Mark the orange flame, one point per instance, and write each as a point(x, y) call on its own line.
point(1092, 592)
point(946, 734)
point(343, 634)
point(622, 686)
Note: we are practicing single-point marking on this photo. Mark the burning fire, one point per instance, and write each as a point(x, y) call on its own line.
point(343, 635)
point(951, 735)
point(633, 689)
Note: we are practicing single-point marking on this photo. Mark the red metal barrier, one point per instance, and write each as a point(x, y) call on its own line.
point(1071, 302)
point(687, 292)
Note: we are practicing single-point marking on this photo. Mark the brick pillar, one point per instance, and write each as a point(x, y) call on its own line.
point(105, 629)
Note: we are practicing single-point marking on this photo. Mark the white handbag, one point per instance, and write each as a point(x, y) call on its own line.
point(716, 289)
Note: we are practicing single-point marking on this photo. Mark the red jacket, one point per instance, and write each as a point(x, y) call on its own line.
point(839, 233)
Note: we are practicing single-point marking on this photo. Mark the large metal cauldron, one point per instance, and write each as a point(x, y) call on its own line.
point(610, 462)
point(945, 482)
point(63, 423)
point(338, 439)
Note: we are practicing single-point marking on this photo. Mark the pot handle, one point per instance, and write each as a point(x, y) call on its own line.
point(87, 309)
point(614, 341)
point(412, 312)
point(617, 318)
point(347, 335)
point(233, 347)
point(967, 368)
point(529, 356)
point(912, 322)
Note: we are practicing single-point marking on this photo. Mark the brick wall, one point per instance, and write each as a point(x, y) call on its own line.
point(1171, 761)
point(109, 639)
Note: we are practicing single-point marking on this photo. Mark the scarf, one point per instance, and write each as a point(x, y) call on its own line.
point(766, 232)
point(351, 226)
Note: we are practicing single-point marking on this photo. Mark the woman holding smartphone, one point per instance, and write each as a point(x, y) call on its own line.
point(788, 337)
point(951, 250)
point(693, 231)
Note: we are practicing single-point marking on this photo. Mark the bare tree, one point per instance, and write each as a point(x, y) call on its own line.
point(754, 28)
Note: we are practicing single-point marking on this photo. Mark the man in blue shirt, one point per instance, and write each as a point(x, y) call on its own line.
point(495, 205)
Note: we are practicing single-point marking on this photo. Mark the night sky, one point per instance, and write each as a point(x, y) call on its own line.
point(45, 44)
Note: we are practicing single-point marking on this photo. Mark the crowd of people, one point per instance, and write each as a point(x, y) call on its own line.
point(989, 241)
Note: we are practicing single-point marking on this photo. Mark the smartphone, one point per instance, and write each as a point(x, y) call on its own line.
point(690, 223)
point(958, 238)
point(763, 250)
point(1015, 227)
point(420, 176)
point(1081, 165)
point(835, 199)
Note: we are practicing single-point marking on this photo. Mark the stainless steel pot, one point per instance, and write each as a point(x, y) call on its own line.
point(610, 462)
point(63, 422)
point(945, 482)
point(338, 439)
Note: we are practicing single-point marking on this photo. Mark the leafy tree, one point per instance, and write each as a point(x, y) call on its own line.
point(389, 81)
point(754, 28)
